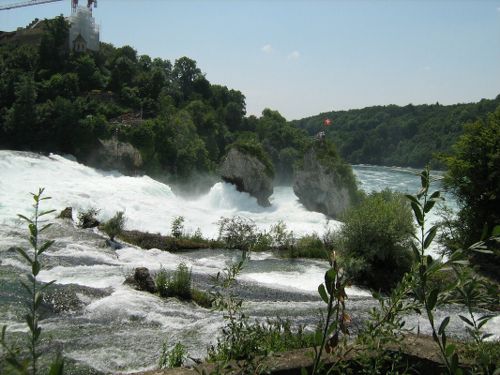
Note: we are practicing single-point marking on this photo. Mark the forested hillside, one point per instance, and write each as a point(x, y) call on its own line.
point(55, 100)
point(393, 135)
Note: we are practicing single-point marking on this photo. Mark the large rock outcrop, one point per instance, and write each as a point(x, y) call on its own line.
point(248, 173)
point(323, 185)
point(114, 154)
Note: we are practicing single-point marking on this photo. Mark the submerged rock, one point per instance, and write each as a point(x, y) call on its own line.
point(67, 213)
point(324, 183)
point(142, 280)
point(248, 174)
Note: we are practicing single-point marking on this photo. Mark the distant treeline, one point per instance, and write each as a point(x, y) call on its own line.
point(55, 100)
point(402, 136)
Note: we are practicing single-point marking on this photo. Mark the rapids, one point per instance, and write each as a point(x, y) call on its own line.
point(107, 326)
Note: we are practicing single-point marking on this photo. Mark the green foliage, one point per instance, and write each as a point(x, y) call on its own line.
point(176, 285)
point(177, 227)
point(174, 357)
point(36, 227)
point(88, 218)
point(393, 135)
point(376, 240)
point(237, 232)
point(114, 226)
point(252, 147)
point(309, 246)
point(474, 180)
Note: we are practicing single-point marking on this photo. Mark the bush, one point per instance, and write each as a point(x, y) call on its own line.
point(174, 357)
point(309, 246)
point(88, 218)
point(377, 235)
point(237, 232)
point(114, 226)
point(177, 227)
point(176, 285)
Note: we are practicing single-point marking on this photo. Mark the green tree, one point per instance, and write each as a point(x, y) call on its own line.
point(376, 240)
point(474, 179)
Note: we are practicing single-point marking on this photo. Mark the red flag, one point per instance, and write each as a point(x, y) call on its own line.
point(327, 122)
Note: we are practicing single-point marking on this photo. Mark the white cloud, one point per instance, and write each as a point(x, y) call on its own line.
point(427, 68)
point(267, 48)
point(295, 55)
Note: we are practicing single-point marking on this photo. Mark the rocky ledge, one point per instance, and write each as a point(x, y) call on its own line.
point(323, 183)
point(248, 174)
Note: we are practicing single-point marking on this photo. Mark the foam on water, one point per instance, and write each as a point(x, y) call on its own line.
point(149, 205)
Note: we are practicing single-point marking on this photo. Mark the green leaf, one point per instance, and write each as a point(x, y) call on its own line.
point(415, 249)
point(45, 227)
point(33, 229)
point(45, 212)
point(496, 231)
point(35, 267)
point(47, 285)
point(413, 199)
point(432, 300)
point(25, 218)
point(431, 233)
point(436, 195)
point(45, 246)
point(454, 362)
point(330, 277)
point(443, 325)
point(38, 300)
point(24, 255)
point(428, 205)
point(322, 293)
point(467, 321)
point(27, 287)
point(418, 213)
point(450, 349)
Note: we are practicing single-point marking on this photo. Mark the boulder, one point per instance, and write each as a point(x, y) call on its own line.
point(142, 280)
point(67, 213)
point(248, 174)
point(323, 188)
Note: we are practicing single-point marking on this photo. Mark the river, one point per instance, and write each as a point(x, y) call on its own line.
point(102, 324)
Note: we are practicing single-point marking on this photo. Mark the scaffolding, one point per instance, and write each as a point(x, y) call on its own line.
point(83, 26)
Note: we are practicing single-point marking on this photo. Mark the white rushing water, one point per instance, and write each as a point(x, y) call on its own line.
point(123, 329)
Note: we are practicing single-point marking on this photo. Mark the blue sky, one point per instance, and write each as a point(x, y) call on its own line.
point(305, 57)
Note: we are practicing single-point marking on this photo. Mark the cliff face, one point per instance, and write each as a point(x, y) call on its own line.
point(321, 188)
point(113, 154)
point(248, 173)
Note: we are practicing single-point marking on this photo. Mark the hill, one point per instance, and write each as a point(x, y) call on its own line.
point(391, 135)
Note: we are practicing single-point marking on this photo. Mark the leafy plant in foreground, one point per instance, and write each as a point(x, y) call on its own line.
point(35, 292)
point(174, 357)
point(431, 297)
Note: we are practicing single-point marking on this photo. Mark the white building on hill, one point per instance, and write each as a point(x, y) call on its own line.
point(84, 32)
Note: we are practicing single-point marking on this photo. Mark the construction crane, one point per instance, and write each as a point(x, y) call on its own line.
point(74, 4)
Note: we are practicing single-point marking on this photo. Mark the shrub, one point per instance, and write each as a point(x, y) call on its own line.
point(177, 227)
point(176, 285)
point(309, 246)
point(88, 218)
point(174, 357)
point(114, 226)
point(237, 232)
point(282, 238)
point(378, 234)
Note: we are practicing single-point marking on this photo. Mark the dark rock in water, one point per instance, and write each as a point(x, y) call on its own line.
point(323, 188)
point(249, 175)
point(113, 244)
point(142, 280)
point(67, 213)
